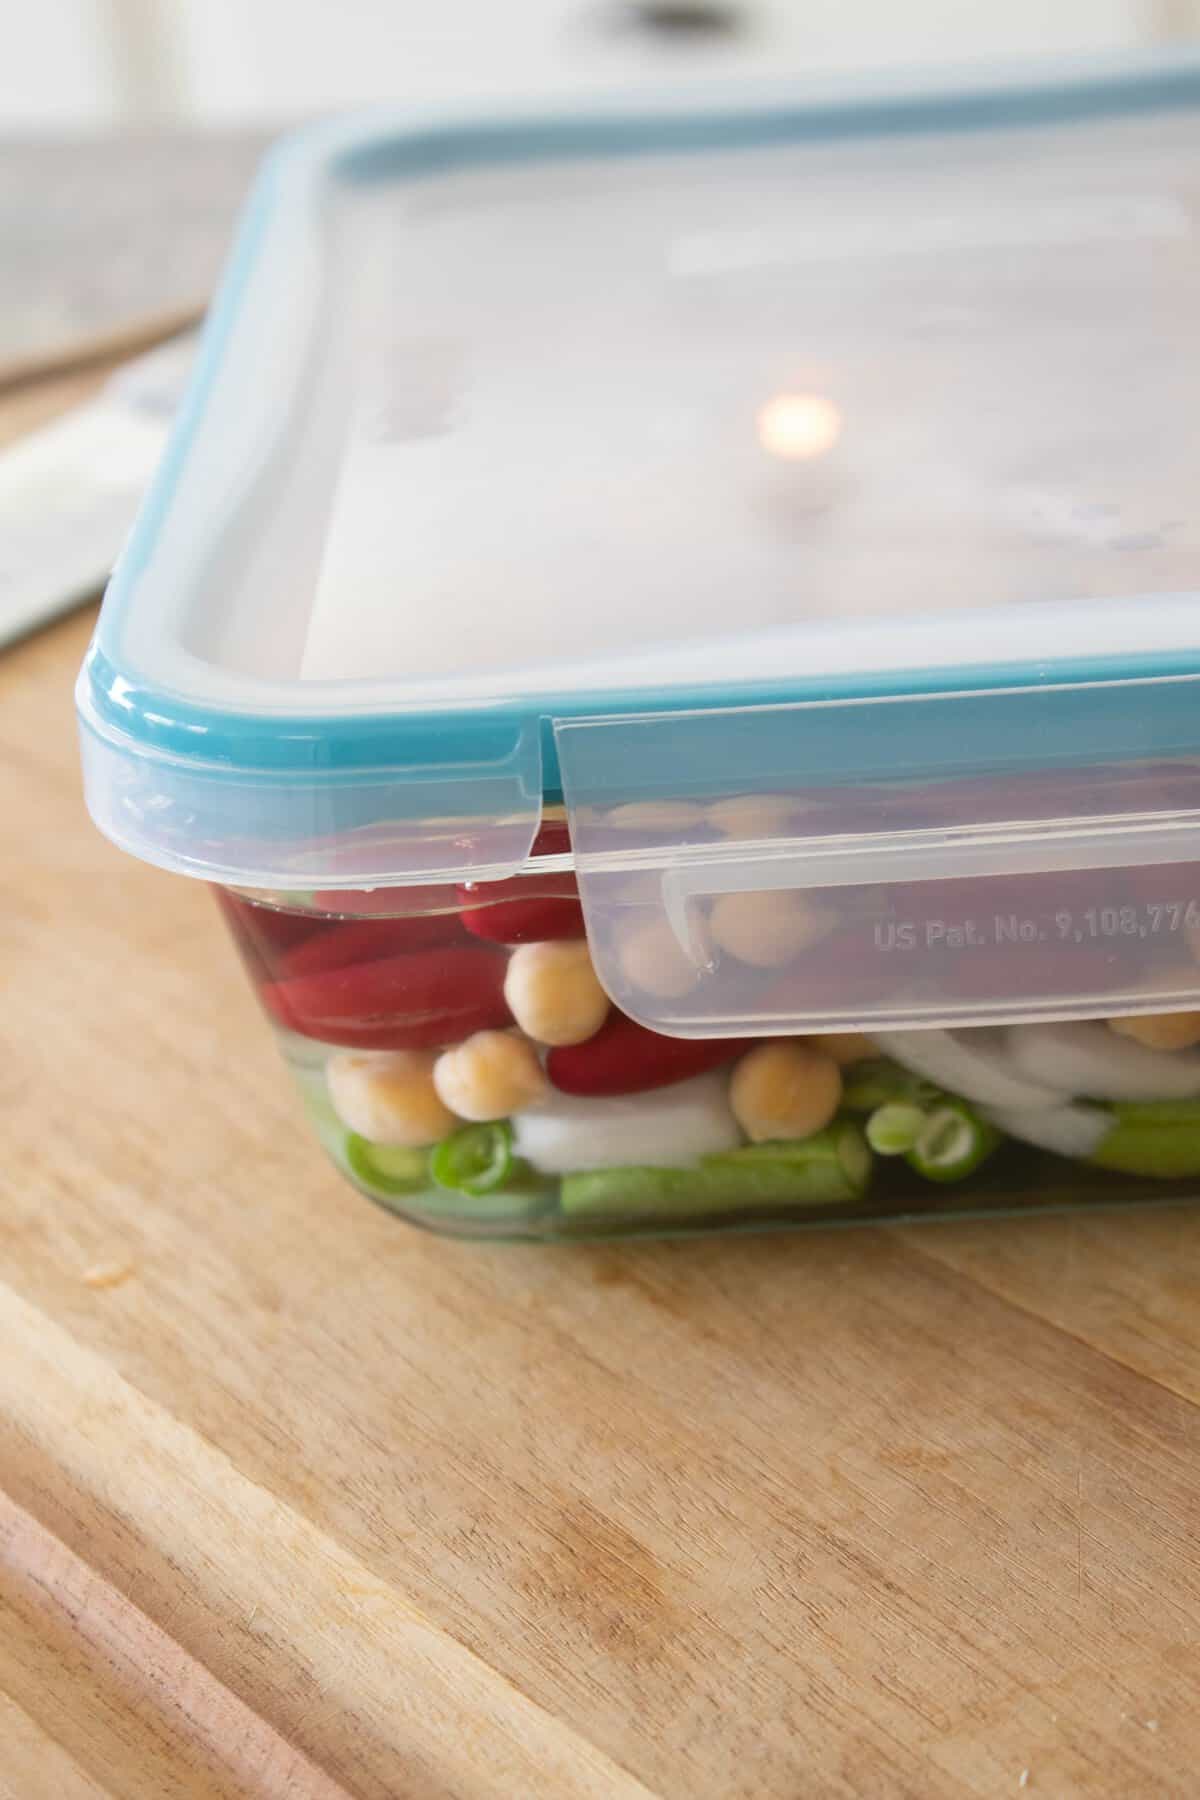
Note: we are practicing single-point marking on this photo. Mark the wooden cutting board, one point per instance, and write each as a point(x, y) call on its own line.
point(110, 239)
point(296, 1501)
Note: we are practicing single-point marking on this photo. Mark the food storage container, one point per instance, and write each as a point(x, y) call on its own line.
point(673, 635)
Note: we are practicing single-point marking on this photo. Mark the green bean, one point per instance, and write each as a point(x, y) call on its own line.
point(1159, 1139)
point(830, 1168)
point(870, 1085)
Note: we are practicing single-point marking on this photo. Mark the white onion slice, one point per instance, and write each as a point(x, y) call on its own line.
point(1069, 1130)
point(976, 1064)
point(1089, 1059)
point(664, 1129)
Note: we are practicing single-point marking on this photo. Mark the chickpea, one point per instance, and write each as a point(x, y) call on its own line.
point(768, 928)
point(388, 1096)
point(784, 1090)
point(845, 1047)
point(492, 1074)
point(753, 815)
point(653, 959)
point(553, 993)
point(1160, 1031)
point(655, 815)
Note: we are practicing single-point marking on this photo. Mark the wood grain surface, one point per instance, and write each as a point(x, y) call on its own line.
point(299, 1502)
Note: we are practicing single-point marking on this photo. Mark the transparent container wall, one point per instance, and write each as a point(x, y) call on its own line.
point(942, 860)
point(462, 1065)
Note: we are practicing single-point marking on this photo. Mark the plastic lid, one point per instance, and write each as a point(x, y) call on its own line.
point(686, 459)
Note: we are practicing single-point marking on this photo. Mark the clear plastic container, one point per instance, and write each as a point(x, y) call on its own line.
point(674, 639)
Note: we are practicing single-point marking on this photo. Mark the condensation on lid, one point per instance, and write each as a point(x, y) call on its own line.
point(910, 387)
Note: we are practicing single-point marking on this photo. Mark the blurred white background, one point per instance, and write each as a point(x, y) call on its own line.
point(90, 64)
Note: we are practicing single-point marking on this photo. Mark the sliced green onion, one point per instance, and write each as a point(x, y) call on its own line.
point(385, 1169)
point(522, 1195)
point(476, 1160)
point(952, 1143)
point(893, 1130)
